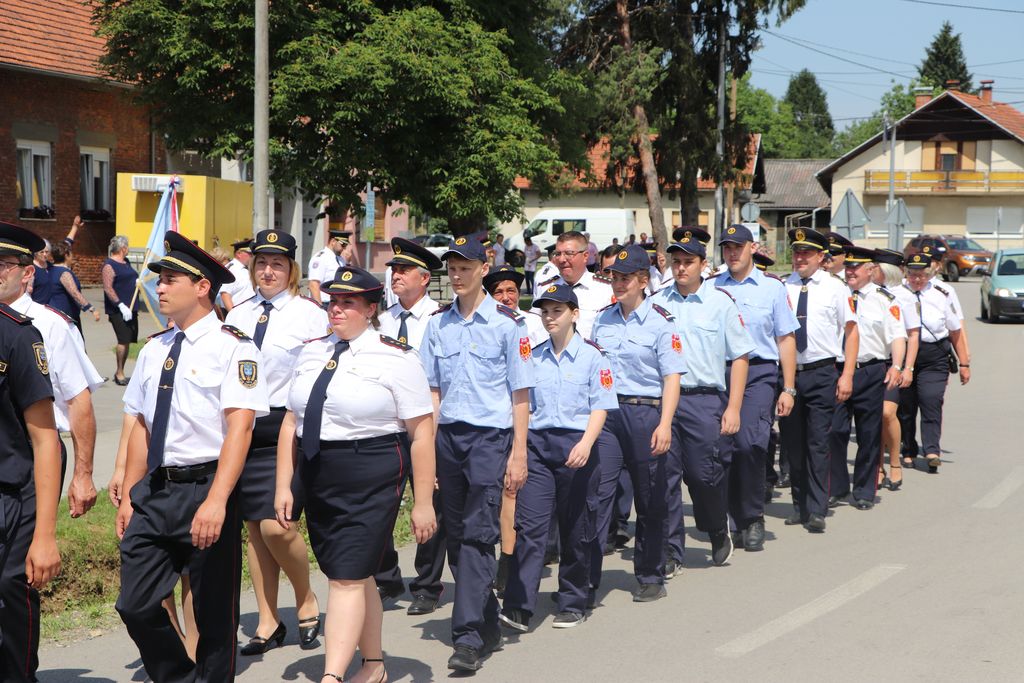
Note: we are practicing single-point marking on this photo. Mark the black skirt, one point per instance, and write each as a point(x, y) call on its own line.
point(258, 483)
point(352, 491)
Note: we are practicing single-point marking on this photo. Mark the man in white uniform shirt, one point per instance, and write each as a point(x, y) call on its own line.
point(325, 263)
point(240, 290)
point(593, 292)
point(499, 250)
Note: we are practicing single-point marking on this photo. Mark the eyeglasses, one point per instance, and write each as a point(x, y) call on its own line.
point(568, 253)
point(7, 265)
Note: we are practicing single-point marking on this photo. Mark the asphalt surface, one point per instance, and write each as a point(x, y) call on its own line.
point(924, 587)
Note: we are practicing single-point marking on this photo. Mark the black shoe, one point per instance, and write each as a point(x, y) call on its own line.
point(516, 619)
point(796, 519)
point(834, 501)
point(784, 482)
point(464, 658)
point(389, 592)
point(422, 604)
point(753, 537)
point(816, 524)
point(721, 548)
point(551, 556)
point(673, 568)
point(501, 578)
point(123, 382)
point(621, 539)
point(769, 493)
point(933, 464)
point(258, 645)
point(862, 504)
point(309, 630)
point(591, 599)
point(568, 619)
point(649, 592)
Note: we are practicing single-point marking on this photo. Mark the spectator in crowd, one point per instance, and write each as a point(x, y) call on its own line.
point(67, 295)
point(499, 250)
point(531, 254)
point(119, 301)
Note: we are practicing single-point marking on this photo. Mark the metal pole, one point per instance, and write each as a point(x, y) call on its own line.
point(895, 232)
point(261, 122)
point(723, 25)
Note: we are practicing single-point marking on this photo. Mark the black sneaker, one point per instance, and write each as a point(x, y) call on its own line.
point(464, 658)
point(516, 619)
point(721, 548)
point(568, 619)
point(649, 592)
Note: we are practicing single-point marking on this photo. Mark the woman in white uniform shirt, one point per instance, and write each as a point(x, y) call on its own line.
point(279, 321)
point(359, 410)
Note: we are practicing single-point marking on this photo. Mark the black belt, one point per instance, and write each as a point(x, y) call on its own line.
point(699, 390)
point(639, 400)
point(360, 443)
point(10, 489)
point(800, 367)
point(873, 361)
point(756, 361)
point(935, 343)
point(188, 474)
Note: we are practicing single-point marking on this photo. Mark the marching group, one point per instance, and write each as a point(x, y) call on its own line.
point(538, 430)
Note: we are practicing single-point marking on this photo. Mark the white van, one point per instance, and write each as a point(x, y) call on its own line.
point(602, 224)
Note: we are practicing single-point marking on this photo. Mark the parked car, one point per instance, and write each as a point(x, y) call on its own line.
point(604, 225)
point(437, 243)
point(961, 255)
point(1002, 287)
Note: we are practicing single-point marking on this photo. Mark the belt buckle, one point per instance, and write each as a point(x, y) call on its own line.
point(170, 474)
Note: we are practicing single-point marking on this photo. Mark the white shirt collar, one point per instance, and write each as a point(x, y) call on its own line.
point(207, 323)
point(418, 310)
point(277, 301)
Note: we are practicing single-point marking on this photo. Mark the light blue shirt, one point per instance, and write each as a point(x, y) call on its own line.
point(477, 362)
point(643, 348)
point(712, 333)
point(765, 308)
point(571, 386)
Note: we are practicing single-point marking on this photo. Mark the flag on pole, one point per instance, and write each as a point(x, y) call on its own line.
point(166, 220)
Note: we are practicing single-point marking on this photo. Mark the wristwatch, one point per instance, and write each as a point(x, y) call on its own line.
point(898, 368)
point(789, 390)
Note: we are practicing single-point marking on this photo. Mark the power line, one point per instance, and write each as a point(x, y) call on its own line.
point(953, 4)
point(839, 49)
point(827, 54)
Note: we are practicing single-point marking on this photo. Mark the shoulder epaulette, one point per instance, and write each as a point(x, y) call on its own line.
point(726, 292)
point(886, 293)
point(607, 307)
point(235, 332)
point(157, 334)
point(944, 292)
point(838, 278)
point(510, 313)
point(442, 309)
point(664, 312)
point(12, 314)
point(548, 281)
point(602, 279)
point(389, 341)
point(67, 318)
point(773, 276)
point(307, 341)
point(594, 344)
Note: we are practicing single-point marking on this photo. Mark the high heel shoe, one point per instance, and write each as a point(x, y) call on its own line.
point(258, 645)
point(309, 630)
point(895, 484)
point(383, 671)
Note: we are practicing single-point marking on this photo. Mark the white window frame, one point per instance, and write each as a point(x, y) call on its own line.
point(879, 229)
point(95, 155)
point(36, 148)
point(1004, 228)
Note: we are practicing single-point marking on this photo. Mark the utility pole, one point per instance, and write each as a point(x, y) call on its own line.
point(261, 123)
point(723, 25)
point(895, 232)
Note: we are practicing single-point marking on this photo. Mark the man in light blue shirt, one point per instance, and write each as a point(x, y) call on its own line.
point(478, 361)
point(771, 323)
point(712, 334)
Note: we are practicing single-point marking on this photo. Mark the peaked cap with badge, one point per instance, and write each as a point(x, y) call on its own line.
point(632, 259)
point(736, 234)
point(243, 245)
point(689, 245)
point(466, 247)
point(17, 241)
point(857, 255)
point(803, 238)
point(837, 243)
point(691, 231)
point(409, 253)
point(183, 256)
point(274, 242)
point(353, 280)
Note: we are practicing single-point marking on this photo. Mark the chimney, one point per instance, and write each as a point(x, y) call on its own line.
point(986, 91)
point(952, 84)
point(922, 96)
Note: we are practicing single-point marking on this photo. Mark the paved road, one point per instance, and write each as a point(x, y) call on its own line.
point(924, 587)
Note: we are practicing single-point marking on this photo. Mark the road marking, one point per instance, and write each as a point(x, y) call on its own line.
point(805, 614)
point(1003, 490)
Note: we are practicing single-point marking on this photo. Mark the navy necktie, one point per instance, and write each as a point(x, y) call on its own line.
point(856, 296)
point(801, 316)
point(158, 435)
point(403, 329)
point(313, 419)
point(261, 324)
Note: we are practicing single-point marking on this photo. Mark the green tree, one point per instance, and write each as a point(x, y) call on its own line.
point(814, 129)
point(897, 102)
point(759, 112)
point(442, 104)
point(944, 61)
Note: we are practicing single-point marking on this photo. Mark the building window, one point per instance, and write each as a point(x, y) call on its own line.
point(94, 173)
point(878, 228)
point(34, 179)
point(989, 221)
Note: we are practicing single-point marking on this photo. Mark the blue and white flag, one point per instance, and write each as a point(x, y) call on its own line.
point(166, 220)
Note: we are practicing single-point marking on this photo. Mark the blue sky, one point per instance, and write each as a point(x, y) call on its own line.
point(895, 33)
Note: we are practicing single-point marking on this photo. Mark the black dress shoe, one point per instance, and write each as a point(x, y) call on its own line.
point(862, 504)
point(309, 630)
point(389, 592)
point(784, 482)
point(422, 604)
point(649, 592)
point(769, 493)
point(834, 501)
point(795, 519)
point(816, 524)
point(258, 645)
point(464, 658)
point(753, 537)
point(123, 382)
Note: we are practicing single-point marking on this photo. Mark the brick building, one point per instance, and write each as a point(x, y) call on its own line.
point(65, 132)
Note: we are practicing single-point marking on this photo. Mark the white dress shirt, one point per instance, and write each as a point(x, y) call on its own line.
point(207, 382)
point(878, 323)
point(592, 294)
point(954, 300)
point(415, 324)
point(241, 289)
point(322, 267)
point(535, 328)
point(829, 308)
point(908, 306)
point(544, 277)
point(292, 322)
point(374, 388)
point(938, 315)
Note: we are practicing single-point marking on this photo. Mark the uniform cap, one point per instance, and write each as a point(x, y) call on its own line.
point(352, 280)
point(935, 254)
point(468, 248)
point(243, 245)
point(856, 255)
point(631, 259)
point(17, 241)
point(409, 253)
point(837, 243)
point(692, 231)
point(342, 235)
point(763, 261)
point(690, 245)
point(274, 242)
point(889, 256)
point(505, 272)
point(918, 261)
point(183, 256)
point(807, 239)
point(561, 293)
point(737, 234)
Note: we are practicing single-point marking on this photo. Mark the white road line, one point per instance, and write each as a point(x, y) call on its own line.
point(1003, 490)
point(805, 614)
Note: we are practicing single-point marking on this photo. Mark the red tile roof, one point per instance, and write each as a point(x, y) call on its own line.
point(55, 36)
point(1003, 115)
point(598, 158)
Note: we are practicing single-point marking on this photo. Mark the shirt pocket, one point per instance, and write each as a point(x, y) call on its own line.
point(448, 354)
point(486, 366)
point(574, 394)
point(200, 392)
point(759, 316)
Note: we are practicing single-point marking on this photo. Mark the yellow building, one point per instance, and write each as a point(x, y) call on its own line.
point(959, 167)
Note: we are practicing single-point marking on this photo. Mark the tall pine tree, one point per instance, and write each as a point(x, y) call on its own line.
point(810, 112)
point(944, 61)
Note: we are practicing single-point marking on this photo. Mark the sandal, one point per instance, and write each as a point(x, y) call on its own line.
point(882, 480)
point(894, 483)
point(334, 676)
point(383, 672)
point(933, 463)
point(908, 461)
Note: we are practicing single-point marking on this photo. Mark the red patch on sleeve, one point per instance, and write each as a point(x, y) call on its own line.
point(677, 343)
point(524, 348)
point(895, 310)
point(742, 324)
point(606, 379)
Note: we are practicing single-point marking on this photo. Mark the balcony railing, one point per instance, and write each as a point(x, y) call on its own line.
point(945, 181)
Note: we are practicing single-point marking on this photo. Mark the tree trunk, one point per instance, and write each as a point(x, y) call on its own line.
point(689, 205)
point(643, 141)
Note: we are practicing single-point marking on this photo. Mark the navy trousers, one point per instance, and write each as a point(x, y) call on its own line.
point(19, 602)
point(865, 406)
point(631, 427)
point(572, 494)
point(623, 503)
point(747, 449)
point(696, 459)
point(429, 561)
point(805, 437)
point(609, 467)
point(471, 464)
point(926, 394)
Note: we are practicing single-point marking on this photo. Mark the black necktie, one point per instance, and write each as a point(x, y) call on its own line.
point(801, 316)
point(403, 329)
point(856, 295)
point(158, 435)
point(261, 324)
point(311, 423)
